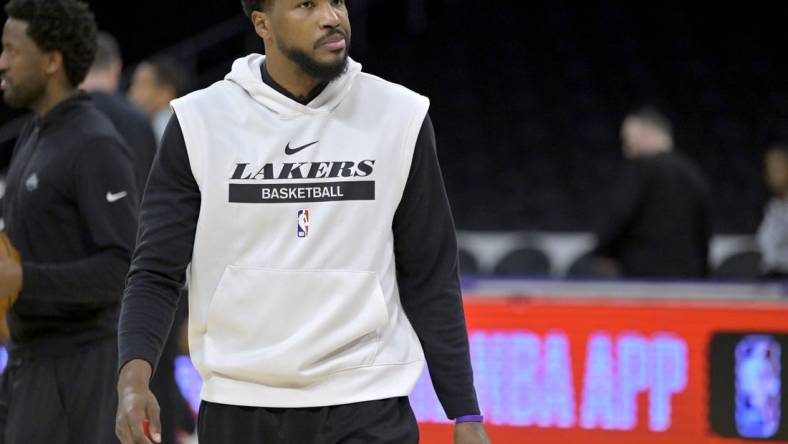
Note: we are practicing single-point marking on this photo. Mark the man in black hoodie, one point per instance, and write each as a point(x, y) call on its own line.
point(70, 210)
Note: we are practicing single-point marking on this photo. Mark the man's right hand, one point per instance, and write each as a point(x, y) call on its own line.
point(136, 405)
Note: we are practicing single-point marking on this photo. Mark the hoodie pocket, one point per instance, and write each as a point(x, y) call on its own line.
point(291, 328)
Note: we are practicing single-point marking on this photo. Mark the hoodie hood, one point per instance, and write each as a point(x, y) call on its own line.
point(246, 74)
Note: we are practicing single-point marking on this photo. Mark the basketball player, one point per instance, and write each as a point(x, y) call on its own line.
point(70, 209)
point(307, 197)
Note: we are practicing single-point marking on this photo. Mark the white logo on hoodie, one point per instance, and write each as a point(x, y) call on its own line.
point(32, 182)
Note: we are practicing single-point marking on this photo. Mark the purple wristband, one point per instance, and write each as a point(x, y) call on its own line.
point(468, 418)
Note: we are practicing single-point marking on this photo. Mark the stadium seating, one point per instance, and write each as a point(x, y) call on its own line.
point(468, 263)
point(583, 267)
point(527, 261)
point(740, 266)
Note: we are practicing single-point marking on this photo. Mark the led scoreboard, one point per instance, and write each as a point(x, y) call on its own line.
point(623, 371)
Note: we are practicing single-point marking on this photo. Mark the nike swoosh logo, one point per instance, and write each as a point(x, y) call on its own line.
point(290, 151)
point(114, 197)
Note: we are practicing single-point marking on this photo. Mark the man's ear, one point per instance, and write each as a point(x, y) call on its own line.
point(262, 24)
point(53, 62)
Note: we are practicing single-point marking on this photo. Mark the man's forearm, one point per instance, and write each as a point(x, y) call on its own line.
point(99, 279)
point(146, 318)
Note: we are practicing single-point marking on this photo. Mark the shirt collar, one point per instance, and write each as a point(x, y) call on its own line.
point(281, 90)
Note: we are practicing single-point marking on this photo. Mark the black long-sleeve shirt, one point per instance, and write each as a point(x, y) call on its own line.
point(659, 224)
point(424, 243)
point(70, 209)
point(135, 128)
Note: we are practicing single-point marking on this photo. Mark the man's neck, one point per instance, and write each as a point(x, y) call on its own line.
point(270, 81)
point(289, 76)
point(51, 99)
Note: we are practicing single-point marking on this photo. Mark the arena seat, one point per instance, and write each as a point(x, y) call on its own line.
point(468, 263)
point(742, 265)
point(527, 261)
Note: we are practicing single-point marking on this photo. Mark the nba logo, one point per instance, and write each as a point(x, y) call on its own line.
point(303, 223)
point(758, 391)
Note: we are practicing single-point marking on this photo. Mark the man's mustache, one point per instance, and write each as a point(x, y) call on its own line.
point(332, 33)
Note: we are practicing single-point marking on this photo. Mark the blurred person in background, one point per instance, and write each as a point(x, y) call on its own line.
point(102, 83)
point(772, 234)
point(155, 83)
point(336, 288)
point(659, 222)
point(71, 212)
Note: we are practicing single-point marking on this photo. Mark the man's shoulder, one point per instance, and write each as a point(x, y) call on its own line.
point(678, 166)
point(115, 104)
point(125, 116)
point(371, 81)
point(216, 91)
point(684, 162)
point(90, 129)
point(388, 96)
point(664, 161)
point(88, 122)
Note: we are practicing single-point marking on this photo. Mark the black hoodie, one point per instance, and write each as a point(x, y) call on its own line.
point(70, 209)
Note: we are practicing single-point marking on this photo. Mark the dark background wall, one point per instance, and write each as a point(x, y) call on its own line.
point(147, 26)
point(527, 96)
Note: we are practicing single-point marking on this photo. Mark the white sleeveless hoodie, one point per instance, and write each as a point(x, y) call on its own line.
point(293, 298)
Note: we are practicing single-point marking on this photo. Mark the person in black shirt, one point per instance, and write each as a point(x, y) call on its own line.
point(70, 210)
point(659, 224)
point(102, 84)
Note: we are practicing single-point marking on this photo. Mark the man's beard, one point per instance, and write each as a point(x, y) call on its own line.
point(24, 95)
point(325, 72)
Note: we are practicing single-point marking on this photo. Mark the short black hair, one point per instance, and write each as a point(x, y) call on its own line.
point(67, 26)
point(107, 51)
point(254, 5)
point(170, 72)
point(652, 115)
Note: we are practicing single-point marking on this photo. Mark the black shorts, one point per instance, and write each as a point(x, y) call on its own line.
point(388, 421)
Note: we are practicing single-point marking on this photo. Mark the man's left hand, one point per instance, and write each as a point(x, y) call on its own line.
point(10, 281)
point(10, 272)
point(470, 433)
